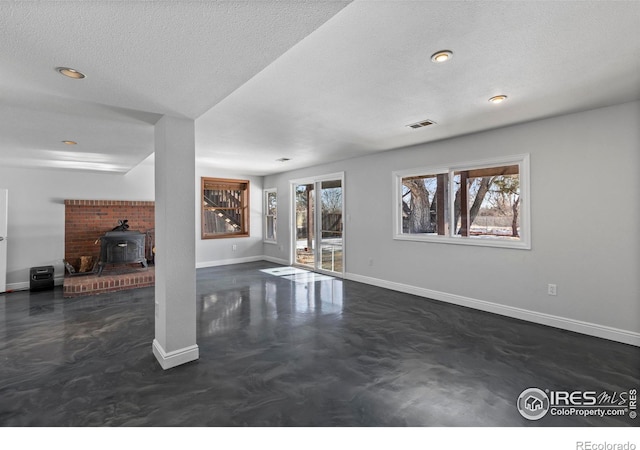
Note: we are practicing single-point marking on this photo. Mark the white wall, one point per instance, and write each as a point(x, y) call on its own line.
point(584, 202)
point(585, 235)
point(36, 215)
point(215, 252)
point(36, 211)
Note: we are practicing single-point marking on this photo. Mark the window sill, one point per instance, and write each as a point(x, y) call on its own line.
point(226, 236)
point(476, 241)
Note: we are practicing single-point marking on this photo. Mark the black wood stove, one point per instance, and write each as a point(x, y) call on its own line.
point(122, 247)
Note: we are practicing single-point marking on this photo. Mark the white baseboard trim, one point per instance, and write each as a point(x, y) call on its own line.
point(588, 328)
point(25, 285)
point(226, 262)
point(284, 262)
point(175, 358)
point(21, 286)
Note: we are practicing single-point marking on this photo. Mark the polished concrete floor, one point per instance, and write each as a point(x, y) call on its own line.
point(291, 349)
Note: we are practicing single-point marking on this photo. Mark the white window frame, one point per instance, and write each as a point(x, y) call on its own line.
point(292, 218)
point(265, 209)
point(525, 203)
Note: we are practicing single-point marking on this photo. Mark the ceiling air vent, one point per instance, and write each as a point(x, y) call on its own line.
point(422, 124)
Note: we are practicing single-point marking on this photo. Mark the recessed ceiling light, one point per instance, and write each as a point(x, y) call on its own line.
point(71, 73)
point(498, 99)
point(442, 56)
point(69, 142)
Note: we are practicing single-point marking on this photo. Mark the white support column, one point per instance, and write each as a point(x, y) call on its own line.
point(175, 289)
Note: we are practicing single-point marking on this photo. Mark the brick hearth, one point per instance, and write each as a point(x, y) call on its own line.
point(112, 280)
point(85, 222)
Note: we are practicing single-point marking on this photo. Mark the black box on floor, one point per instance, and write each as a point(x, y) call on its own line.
point(41, 278)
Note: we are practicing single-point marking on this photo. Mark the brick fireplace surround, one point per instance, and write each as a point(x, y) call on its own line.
point(85, 222)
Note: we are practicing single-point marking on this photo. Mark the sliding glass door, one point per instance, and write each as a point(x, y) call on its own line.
point(331, 225)
point(318, 230)
point(304, 229)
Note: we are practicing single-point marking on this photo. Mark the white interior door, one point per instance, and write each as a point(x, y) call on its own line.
point(4, 196)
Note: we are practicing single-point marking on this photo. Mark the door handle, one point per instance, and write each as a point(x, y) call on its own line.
point(1, 238)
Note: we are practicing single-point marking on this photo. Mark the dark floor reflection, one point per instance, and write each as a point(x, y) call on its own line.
point(287, 347)
point(288, 296)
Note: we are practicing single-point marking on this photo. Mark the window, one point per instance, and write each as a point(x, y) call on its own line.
point(424, 206)
point(270, 215)
point(482, 203)
point(225, 208)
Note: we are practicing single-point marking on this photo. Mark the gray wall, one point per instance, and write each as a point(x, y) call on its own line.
point(36, 211)
point(585, 216)
point(584, 204)
point(214, 252)
point(36, 215)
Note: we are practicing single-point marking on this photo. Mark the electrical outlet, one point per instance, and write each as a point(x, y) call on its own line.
point(234, 247)
point(552, 289)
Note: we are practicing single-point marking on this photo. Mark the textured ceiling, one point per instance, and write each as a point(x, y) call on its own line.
point(351, 87)
point(312, 81)
point(142, 59)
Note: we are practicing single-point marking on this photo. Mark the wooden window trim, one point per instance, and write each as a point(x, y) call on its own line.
point(208, 183)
